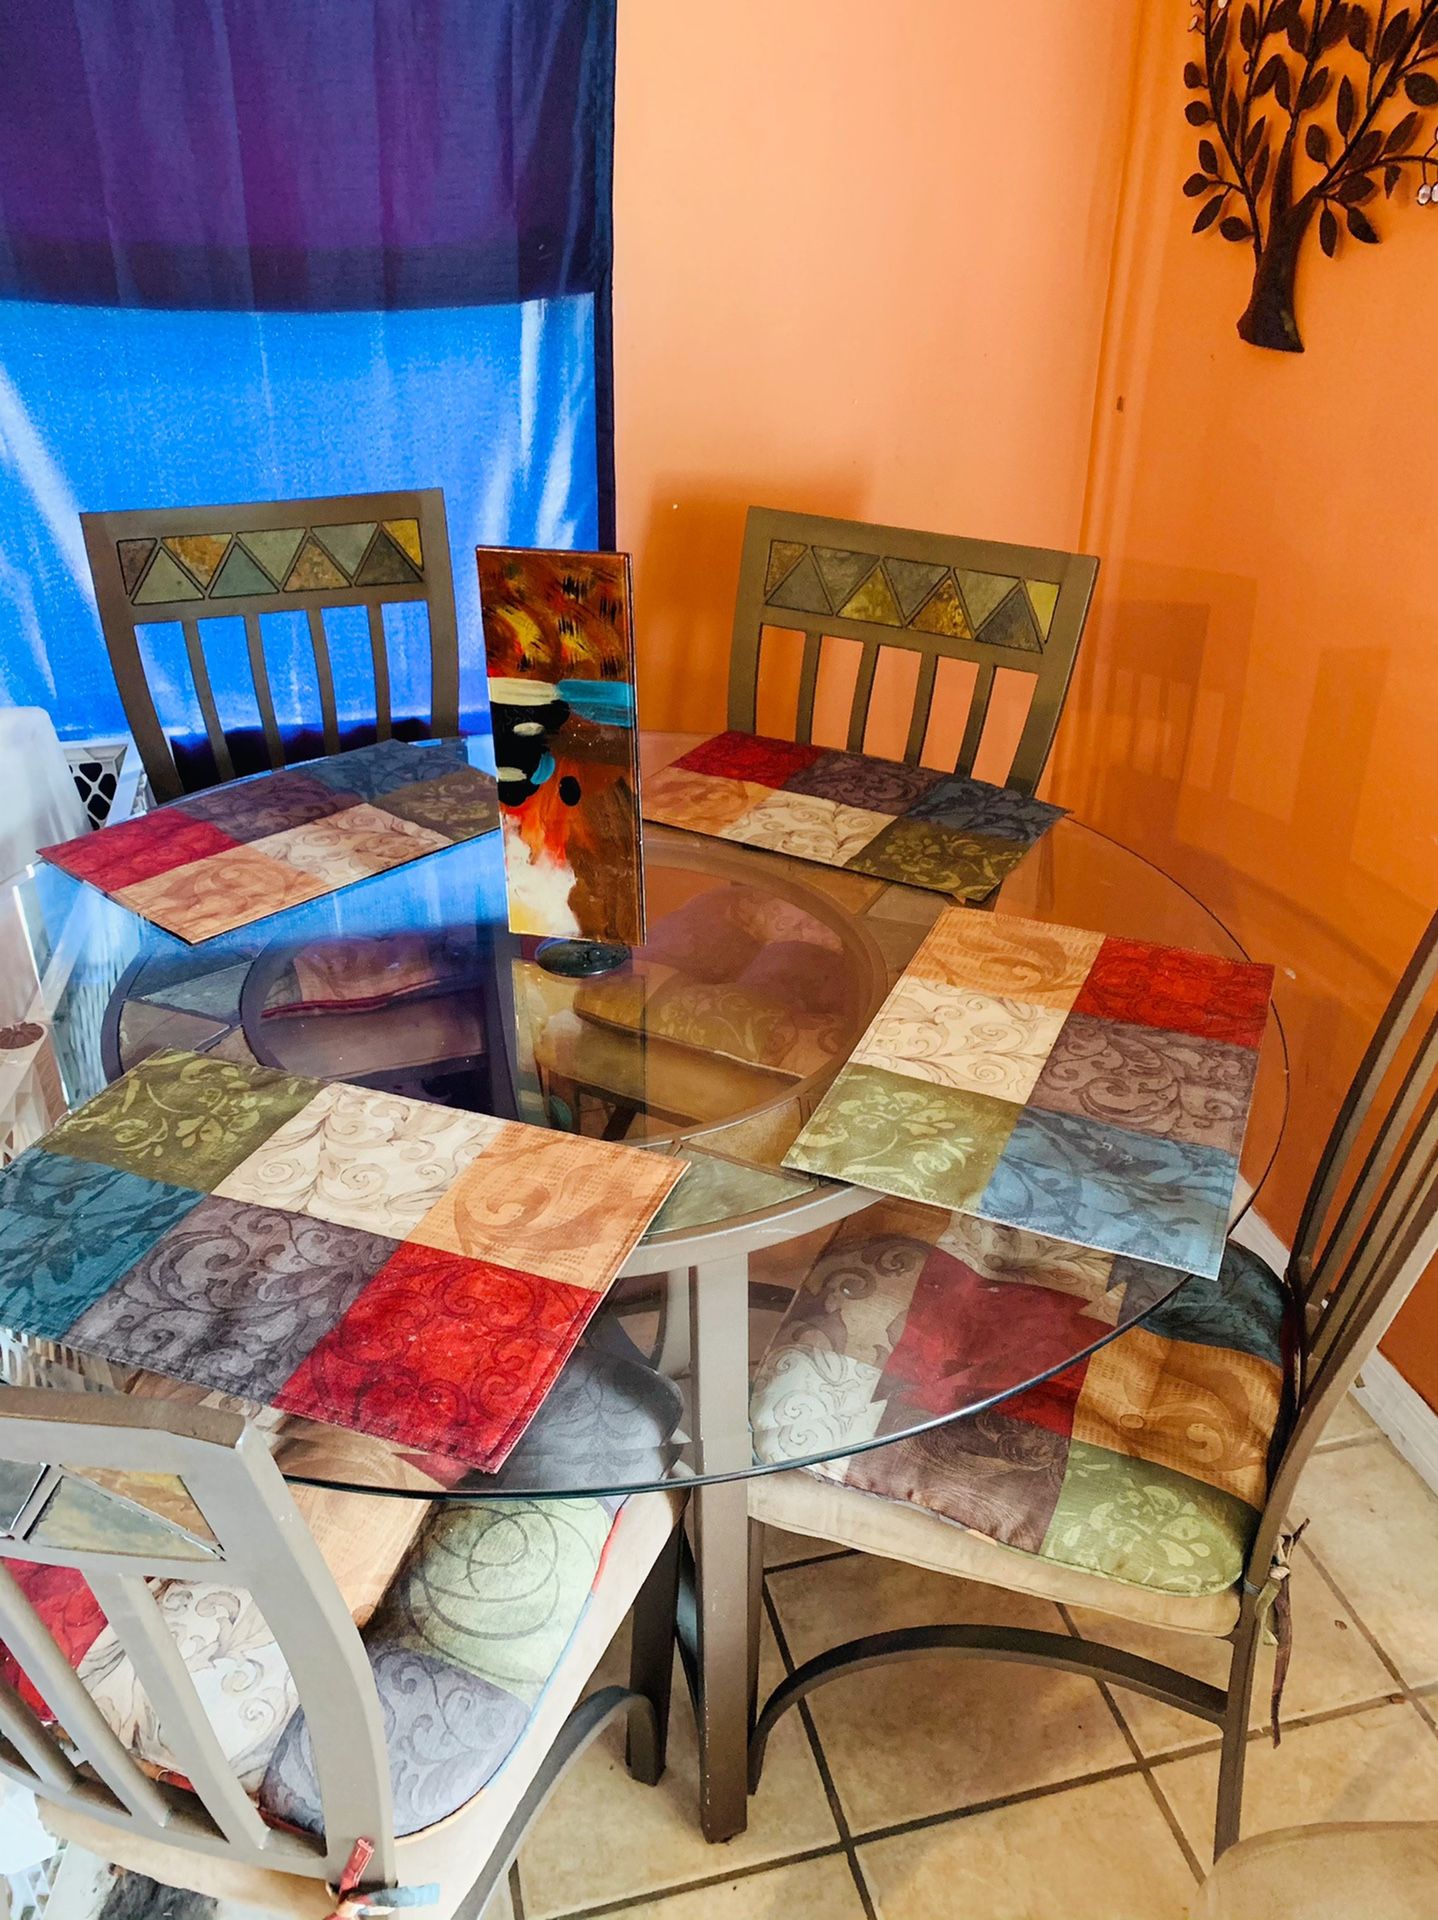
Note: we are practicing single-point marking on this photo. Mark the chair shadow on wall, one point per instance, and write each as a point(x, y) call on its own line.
point(1165, 747)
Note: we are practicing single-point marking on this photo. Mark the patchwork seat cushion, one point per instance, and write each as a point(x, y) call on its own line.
point(462, 1646)
point(723, 976)
point(461, 1650)
point(466, 1610)
point(239, 1673)
point(1143, 1463)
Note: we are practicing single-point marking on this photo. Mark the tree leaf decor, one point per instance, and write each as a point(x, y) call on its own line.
point(1307, 110)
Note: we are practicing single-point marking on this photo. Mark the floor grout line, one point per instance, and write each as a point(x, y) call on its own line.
point(813, 1560)
point(821, 1760)
point(1346, 1441)
point(829, 1852)
point(1160, 1798)
point(1019, 1798)
point(1422, 1697)
point(1410, 1694)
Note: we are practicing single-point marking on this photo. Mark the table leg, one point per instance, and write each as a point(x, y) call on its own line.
point(724, 1599)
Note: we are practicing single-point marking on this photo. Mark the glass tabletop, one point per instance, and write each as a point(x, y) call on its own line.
point(713, 1043)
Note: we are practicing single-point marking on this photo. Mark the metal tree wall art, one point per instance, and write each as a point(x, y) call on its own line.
point(1308, 109)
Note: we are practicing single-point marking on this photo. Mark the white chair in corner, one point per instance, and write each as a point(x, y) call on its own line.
point(39, 801)
point(230, 1727)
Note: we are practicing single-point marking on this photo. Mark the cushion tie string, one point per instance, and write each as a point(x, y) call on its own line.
point(353, 1902)
point(1279, 1597)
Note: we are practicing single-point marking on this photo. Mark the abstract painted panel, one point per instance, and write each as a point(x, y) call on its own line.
point(559, 647)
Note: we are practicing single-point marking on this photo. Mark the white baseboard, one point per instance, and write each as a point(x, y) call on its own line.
point(1256, 1234)
point(1399, 1410)
point(1403, 1414)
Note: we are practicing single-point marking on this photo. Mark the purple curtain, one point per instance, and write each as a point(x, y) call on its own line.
point(304, 154)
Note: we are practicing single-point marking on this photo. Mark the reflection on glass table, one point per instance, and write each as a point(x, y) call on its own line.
point(716, 1041)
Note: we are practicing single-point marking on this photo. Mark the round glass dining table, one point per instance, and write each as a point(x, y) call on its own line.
point(713, 1042)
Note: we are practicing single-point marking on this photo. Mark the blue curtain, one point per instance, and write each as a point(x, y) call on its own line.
point(255, 248)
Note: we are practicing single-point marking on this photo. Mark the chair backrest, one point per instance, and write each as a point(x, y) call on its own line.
point(188, 1494)
point(1369, 1228)
point(1017, 609)
point(196, 564)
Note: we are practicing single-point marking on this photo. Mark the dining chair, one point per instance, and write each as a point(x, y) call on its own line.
point(1174, 1512)
point(249, 1710)
point(1350, 1870)
point(1003, 608)
point(196, 565)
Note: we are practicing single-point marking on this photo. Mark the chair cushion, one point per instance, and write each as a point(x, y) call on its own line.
point(461, 1651)
point(1347, 1871)
point(238, 1671)
point(1145, 1463)
point(461, 1645)
point(725, 978)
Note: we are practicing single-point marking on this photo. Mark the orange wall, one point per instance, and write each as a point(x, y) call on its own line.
point(929, 264)
point(851, 278)
point(1257, 704)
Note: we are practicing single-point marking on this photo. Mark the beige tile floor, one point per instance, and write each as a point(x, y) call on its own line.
point(937, 1788)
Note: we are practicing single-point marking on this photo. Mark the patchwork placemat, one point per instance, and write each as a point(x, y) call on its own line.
point(879, 817)
point(357, 1257)
point(222, 858)
point(1078, 1085)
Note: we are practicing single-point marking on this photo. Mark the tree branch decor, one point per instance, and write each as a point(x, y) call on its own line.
point(1306, 110)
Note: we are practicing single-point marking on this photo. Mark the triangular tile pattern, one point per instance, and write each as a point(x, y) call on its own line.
point(982, 593)
point(163, 1494)
point(239, 575)
point(913, 581)
point(943, 612)
point(133, 555)
point(166, 580)
point(222, 566)
point(784, 556)
point(889, 591)
point(347, 544)
point(385, 566)
point(405, 534)
point(874, 601)
point(802, 589)
point(1043, 598)
point(314, 569)
point(842, 571)
point(85, 1518)
point(199, 553)
point(1011, 624)
point(18, 1480)
point(275, 549)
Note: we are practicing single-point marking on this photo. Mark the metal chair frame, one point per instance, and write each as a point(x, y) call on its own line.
point(120, 619)
point(1052, 669)
point(263, 1545)
point(1355, 1260)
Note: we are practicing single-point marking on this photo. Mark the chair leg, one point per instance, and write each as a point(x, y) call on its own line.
point(651, 1663)
point(1233, 1756)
